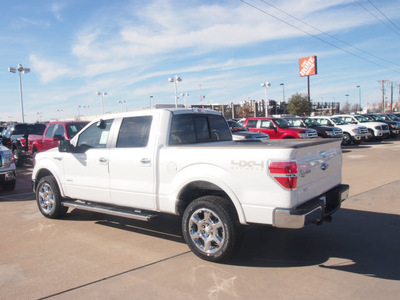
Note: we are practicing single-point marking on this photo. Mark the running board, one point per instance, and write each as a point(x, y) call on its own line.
point(120, 212)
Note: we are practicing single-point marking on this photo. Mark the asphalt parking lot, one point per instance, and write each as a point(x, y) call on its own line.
point(94, 256)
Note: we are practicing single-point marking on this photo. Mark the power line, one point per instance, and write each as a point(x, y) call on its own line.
point(330, 35)
point(318, 38)
point(376, 17)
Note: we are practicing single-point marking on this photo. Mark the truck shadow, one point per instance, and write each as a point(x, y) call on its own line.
point(365, 243)
point(361, 242)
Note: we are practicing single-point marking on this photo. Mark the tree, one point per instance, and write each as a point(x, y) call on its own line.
point(245, 111)
point(299, 105)
point(346, 108)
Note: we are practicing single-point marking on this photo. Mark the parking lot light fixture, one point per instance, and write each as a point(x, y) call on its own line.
point(359, 96)
point(184, 95)
point(20, 69)
point(266, 85)
point(175, 80)
point(122, 104)
point(102, 94)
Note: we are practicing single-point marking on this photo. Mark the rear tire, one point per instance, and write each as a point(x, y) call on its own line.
point(209, 227)
point(49, 198)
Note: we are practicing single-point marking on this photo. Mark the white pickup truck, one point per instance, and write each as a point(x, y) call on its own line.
point(184, 162)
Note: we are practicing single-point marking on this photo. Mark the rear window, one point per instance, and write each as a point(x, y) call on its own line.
point(190, 128)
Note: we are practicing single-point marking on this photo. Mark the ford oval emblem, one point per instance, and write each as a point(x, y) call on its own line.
point(324, 166)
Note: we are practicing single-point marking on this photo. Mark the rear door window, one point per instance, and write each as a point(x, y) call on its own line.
point(134, 132)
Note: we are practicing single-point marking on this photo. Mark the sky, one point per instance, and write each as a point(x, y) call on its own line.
point(222, 50)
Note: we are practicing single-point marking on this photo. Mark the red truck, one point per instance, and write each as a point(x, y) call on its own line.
point(278, 128)
point(54, 132)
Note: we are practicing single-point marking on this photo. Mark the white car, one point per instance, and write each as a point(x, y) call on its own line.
point(376, 130)
point(351, 132)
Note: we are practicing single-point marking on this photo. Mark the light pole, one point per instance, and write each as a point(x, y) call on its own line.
point(283, 91)
point(59, 112)
point(359, 96)
point(102, 94)
point(184, 95)
point(122, 104)
point(150, 97)
point(347, 98)
point(175, 80)
point(20, 69)
point(266, 85)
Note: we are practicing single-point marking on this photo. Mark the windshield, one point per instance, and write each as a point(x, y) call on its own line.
point(362, 119)
point(311, 122)
point(297, 123)
point(282, 123)
point(393, 117)
point(338, 121)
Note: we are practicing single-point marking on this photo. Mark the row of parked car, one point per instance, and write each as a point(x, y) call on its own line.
point(351, 128)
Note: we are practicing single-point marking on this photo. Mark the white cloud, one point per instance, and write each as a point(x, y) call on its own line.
point(49, 70)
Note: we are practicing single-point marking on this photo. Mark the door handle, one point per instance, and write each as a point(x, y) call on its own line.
point(145, 161)
point(103, 159)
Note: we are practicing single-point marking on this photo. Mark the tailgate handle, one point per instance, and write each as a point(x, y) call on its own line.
point(324, 166)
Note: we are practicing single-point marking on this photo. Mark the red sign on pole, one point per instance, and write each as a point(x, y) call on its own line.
point(308, 66)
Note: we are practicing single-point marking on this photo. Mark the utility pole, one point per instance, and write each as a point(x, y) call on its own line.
point(383, 93)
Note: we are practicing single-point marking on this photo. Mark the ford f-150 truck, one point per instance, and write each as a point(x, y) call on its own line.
point(53, 133)
point(376, 130)
point(351, 133)
point(183, 161)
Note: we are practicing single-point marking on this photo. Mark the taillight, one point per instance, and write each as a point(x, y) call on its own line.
point(285, 173)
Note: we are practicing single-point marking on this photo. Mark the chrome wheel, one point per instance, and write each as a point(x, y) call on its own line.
point(46, 198)
point(206, 230)
point(209, 227)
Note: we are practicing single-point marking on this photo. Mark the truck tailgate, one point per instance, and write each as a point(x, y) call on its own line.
point(319, 169)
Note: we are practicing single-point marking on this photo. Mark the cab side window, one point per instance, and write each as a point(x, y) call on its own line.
point(95, 136)
point(251, 124)
point(266, 124)
point(134, 132)
point(59, 132)
point(49, 131)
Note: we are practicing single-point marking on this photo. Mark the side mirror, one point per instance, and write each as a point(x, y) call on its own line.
point(58, 137)
point(64, 146)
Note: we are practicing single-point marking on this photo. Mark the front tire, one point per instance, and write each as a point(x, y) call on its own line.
point(346, 139)
point(49, 198)
point(19, 161)
point(370, 136)
point(209, 227)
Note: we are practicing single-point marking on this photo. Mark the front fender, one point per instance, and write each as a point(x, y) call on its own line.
point(45, 167)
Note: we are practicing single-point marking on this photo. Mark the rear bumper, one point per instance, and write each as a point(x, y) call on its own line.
point(312, 211)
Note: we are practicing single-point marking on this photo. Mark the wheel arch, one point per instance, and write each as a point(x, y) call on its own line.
point(43, 173)
point(196, 189)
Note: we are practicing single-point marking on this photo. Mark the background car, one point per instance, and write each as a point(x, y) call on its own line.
point(323, 131)
point(241, 133)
